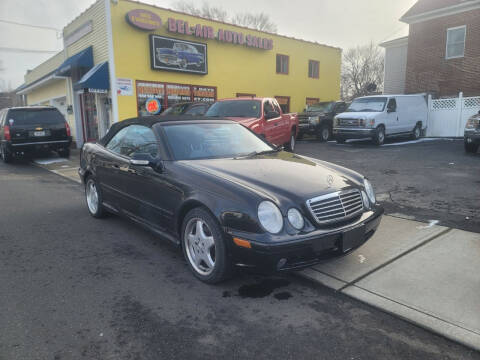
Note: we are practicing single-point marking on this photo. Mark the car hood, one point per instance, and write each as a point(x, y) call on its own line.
point(357, 115)
point(281, 175)
point(313, 113)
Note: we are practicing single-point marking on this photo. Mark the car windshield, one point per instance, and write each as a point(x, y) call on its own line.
point(204, 141)
point(176, 109)
point(376, 104)
point(320, 107)
point(235, 108)
point(36, 116)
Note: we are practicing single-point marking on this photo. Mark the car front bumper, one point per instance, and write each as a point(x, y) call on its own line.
point(472, 136)
point(354, 133)
point(306, 250)
point(307, 128)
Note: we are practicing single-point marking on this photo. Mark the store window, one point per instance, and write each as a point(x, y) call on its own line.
point(147, 90)
point(284, 102)
point(313, 69)
point(282, 64)
point(312, 101)
point(246, 95)
point(171, 94)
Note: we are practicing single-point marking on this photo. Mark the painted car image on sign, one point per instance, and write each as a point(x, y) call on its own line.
point(178, 55)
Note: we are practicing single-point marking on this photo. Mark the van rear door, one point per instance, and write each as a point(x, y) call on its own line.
point(36, 125)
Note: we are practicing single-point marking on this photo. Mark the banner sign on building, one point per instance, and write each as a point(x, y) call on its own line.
point(178, 55)
point(124, 87)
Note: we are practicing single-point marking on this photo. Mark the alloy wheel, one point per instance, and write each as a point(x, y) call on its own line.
point(200, 246)
point(92, 196)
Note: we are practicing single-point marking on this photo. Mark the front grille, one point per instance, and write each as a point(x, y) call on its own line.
point(303, 118)
point(348, 122)
point(335, 207)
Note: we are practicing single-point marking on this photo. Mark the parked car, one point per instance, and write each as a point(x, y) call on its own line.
point(378, 117)
point(187, 108)
point(263, 115)
point(317, 119)
point(31, 129)
point(226, 196)
point(181, 55)
point(472, 134)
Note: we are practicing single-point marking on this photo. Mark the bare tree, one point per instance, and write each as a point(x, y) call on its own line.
point(362, 71)
point(206, 11)
point(260, 21)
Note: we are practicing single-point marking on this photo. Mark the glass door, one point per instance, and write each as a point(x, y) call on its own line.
point(89, 116)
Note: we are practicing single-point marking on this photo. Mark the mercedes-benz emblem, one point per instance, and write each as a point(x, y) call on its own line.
point(329, 180)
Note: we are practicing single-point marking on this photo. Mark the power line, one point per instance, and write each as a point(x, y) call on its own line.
point(33, 26)
point(28, 50)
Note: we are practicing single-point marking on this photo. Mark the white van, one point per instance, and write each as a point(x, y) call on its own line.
point(381, 116)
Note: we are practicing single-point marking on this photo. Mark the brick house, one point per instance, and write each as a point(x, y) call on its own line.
point(443, 48)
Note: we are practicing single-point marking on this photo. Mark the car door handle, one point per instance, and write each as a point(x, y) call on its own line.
point(116, 166)
point(275, 124)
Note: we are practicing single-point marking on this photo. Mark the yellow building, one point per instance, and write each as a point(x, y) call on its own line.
point(119, 53)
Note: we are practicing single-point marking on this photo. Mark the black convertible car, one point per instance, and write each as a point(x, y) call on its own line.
point(226, 196)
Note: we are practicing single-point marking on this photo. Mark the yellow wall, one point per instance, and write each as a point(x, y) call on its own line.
point(42, 95)
point(231, 68)
point(45, 67)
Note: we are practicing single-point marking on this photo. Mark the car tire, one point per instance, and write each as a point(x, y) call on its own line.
point(417, 132)
point(205, 252)
point(93, 198)
point(379, 137)
point(6, 155)
point(291, 144)
point(64, 153)
point(471, 148)
point(324, 134)
point(340, 140)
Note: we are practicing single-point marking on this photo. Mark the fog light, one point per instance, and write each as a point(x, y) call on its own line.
point(281, 263)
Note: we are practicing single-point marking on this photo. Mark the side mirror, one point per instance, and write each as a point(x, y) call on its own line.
point(271, 115)
point(145, 159)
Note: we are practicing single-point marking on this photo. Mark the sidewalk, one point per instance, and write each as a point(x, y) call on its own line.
point(424, 273)
point(64, 167)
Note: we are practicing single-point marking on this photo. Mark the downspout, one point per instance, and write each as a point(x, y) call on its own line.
point(111, 61)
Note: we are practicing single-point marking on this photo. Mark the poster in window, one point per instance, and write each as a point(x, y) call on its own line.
point(178, 55)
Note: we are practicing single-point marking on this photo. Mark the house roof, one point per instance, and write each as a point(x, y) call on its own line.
point(422, 7)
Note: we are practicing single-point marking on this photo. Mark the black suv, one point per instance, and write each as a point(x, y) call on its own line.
point(33, 128)
point(472, 134)
point(317, 119)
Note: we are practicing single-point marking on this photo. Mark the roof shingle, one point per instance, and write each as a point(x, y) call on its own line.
point(423, 6)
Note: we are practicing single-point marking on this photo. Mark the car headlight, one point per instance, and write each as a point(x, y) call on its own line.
point(369, 191)
point(295, 219)
point(366, 202)
point(314, 120)
point(472, 123)
point(270, 217)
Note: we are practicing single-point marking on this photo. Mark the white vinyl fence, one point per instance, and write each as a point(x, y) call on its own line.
point(447, 117)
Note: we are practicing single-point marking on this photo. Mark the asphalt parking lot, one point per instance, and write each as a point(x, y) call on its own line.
point(74, 287)
point(427, 180)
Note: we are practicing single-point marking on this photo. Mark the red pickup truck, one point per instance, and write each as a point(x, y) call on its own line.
point(262, 115)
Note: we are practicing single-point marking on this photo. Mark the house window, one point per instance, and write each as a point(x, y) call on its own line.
point(456, 42)
point(282, 64)
point(313, 69)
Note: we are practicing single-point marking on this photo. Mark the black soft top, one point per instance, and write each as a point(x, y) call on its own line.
point(152, 120)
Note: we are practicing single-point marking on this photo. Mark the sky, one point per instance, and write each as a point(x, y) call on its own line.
point(341, 23)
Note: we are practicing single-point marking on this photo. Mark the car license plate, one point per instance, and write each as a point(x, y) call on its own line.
point(353, 238)
point(39, 133)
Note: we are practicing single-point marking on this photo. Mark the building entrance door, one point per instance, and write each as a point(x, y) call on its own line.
point(89, 116)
